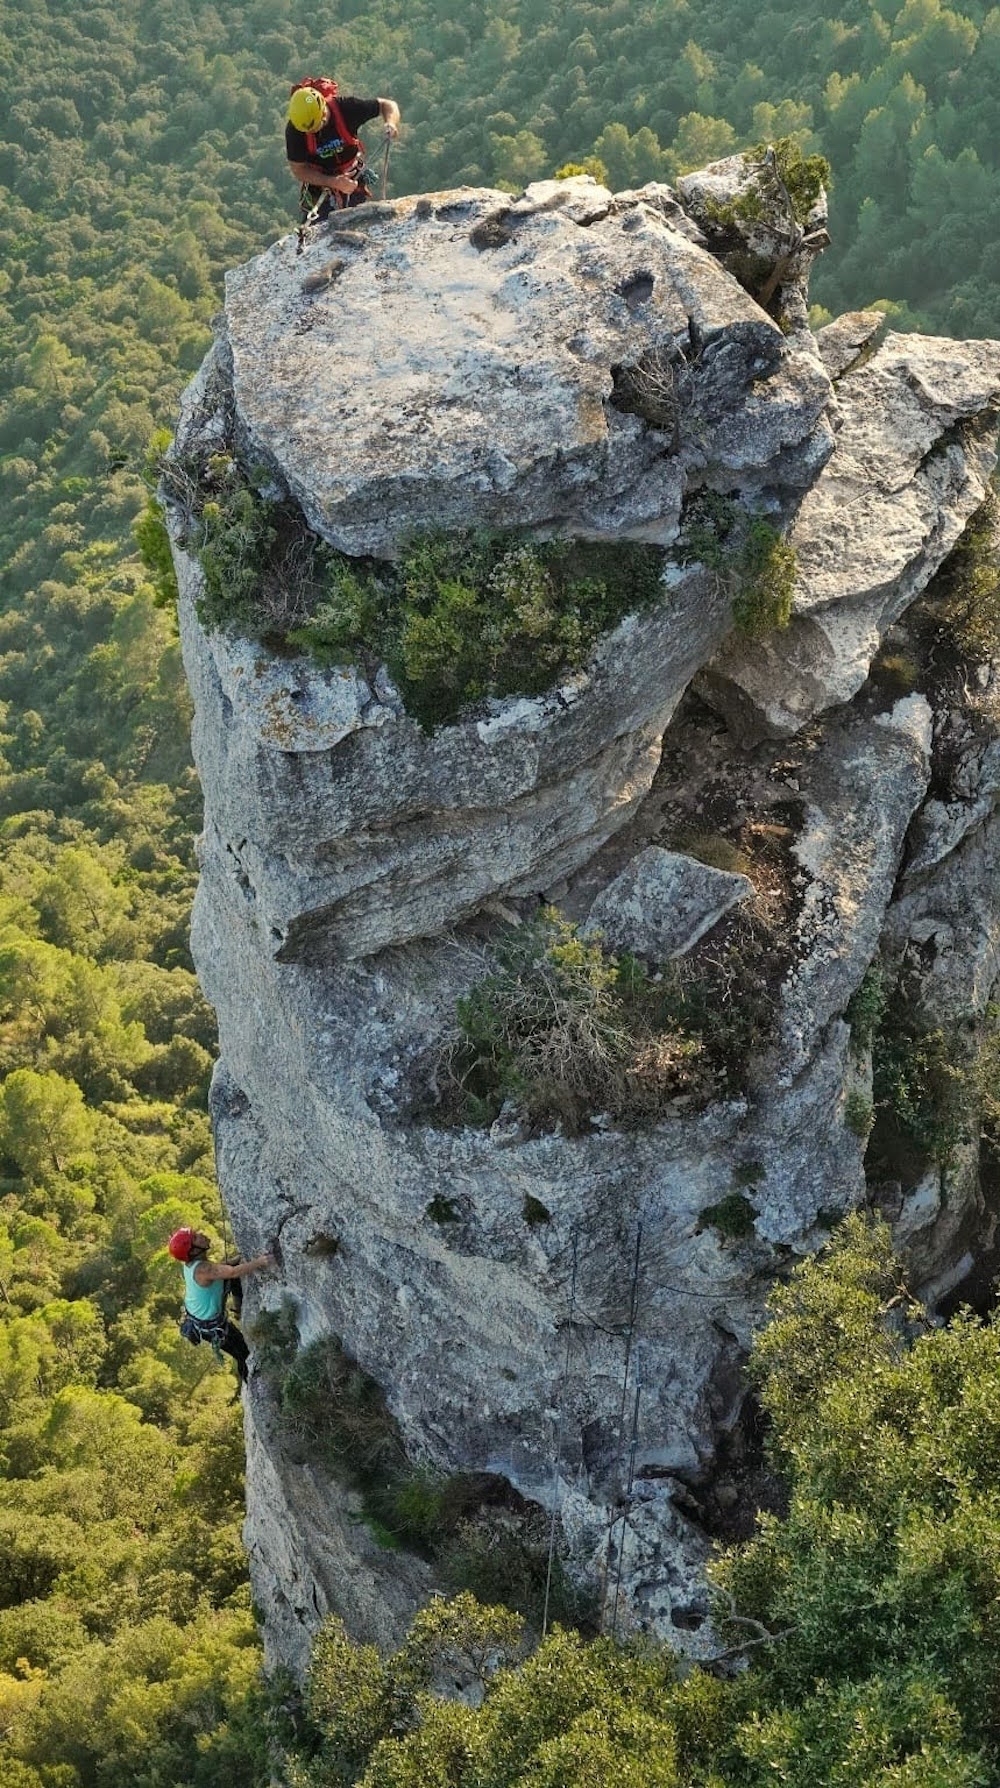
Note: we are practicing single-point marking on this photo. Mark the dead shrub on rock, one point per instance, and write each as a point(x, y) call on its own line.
point(564, 1031)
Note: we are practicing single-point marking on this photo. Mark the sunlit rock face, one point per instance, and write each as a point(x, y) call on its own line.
point(916, 446)
point(475, 360)
point(569, 1314)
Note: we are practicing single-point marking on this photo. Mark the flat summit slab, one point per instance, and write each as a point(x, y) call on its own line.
point(568, 360)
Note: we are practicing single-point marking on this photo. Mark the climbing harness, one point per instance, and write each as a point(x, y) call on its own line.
point(211, 1329)
point(330, 200)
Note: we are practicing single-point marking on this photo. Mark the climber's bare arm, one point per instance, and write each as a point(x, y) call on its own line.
point(207, 1271)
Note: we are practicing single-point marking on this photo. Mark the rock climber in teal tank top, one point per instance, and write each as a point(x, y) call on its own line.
point(205, 1286)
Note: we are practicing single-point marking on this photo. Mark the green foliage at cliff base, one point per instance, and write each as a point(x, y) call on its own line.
point(856, 1643)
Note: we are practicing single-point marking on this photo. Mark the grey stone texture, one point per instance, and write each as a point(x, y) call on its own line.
point(663, 903)
point(842, 342)
point(509, 348)
point(356, 872)
point(915, 449)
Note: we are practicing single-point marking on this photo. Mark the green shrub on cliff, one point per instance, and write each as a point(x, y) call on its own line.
point(924, 1087)
point(481, 1536)
point(864, 1618)
point(565, 1030)
point(763, 581)
point(465, 616)
point(462, 617)
point(752, 560)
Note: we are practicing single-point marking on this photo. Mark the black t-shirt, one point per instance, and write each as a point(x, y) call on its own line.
point(329, 146)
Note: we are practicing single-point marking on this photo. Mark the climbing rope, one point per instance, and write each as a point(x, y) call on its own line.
point(557, 1438)
point(627, 1501)
point(385, 165)
point(226, 1240)
point(629, 1337)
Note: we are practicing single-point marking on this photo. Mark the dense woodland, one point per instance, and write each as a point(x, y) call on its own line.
point(140, 155)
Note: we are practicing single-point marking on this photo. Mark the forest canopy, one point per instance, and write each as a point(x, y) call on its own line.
point(140, 156)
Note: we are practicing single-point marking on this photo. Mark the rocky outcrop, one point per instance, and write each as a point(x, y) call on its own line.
point(571, 360)
point(662, 903)
point(915, 449)
point(749, 219)
point(863, 791)
point(348, 828)
point(569, 1314)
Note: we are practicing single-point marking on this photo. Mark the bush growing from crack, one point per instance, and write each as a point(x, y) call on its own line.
point(866, 1008)
point(923, 1084)
point(565, 1031)
point(859, 1113)
point(803, 177)
point(463, 616)
point(764, 581)
point(733, 1217)
point(724, 994)
point(264, 570)
point(965, 593)
point(707, 527)
point(754, 562)
point(467, 615)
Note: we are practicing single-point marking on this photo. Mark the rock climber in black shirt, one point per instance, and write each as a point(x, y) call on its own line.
point(321, 140)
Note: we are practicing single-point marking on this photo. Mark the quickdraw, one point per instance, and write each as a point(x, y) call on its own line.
point(327, 202)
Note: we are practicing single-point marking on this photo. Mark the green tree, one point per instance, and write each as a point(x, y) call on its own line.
point(700, 140)
point(44, 1124)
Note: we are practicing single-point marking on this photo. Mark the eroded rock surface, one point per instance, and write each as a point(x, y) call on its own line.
point(349, 828)
point(663, 903)
point(569, 360)
point(915, 450)
point(512, 1292)
point(863, 788)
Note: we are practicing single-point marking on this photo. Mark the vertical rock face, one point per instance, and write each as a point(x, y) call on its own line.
point(568, 1313)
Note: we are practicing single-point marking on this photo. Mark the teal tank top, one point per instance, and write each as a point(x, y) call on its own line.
point(203, 1301)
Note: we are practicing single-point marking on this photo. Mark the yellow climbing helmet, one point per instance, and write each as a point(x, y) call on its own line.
point(306, 109)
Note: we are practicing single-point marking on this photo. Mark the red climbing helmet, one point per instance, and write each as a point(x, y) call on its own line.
point(179, 1244)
